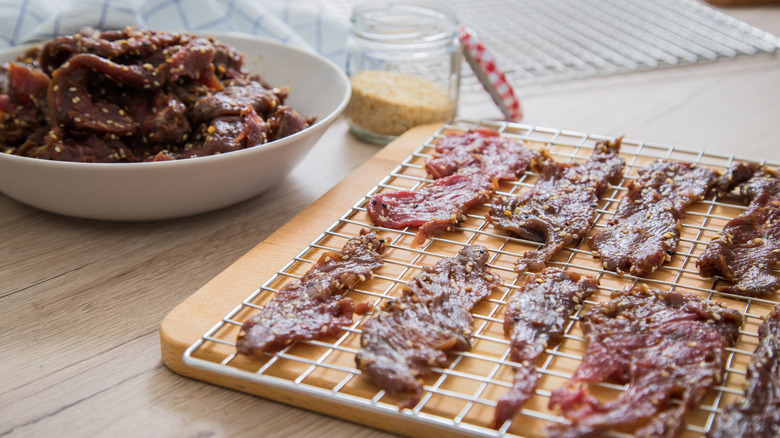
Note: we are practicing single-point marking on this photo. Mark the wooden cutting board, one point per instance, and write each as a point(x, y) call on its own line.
point(195, 316)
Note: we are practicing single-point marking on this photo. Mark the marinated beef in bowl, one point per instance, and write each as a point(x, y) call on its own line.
point(137, 95)
point(135, 160)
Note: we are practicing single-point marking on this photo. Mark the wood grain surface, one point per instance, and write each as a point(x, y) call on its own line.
point(82, 302)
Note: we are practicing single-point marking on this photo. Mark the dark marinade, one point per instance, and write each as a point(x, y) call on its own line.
point(758, 414)
point(561, 208)
point(467, 169)
point(314, 307)
point(645, 230)
point(536, 316)
point(668, 347)
point(137, 95)
point(747, 250)
point(407, 336)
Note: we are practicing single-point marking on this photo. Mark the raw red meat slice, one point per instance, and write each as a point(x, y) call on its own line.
point(561, 208)
point(748, 248)
point(536, 316)
point(758, 415)
point(314, 306)
point(467, 170)
point(435, 208)
point(645, 230)
point(409, 335)
point(484, 149)
point(669, 347)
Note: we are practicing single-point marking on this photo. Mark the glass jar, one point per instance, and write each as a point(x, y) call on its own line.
point(403, 60)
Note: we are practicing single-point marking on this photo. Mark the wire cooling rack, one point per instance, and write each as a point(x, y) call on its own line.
point(543, 41)
point(537, 41)
point(460, 398)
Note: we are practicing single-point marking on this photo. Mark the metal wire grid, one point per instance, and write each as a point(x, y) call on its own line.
point(460, 398)
point(543, 41)
point(552, 40)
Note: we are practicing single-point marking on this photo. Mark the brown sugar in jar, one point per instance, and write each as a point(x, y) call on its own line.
point(390, 103)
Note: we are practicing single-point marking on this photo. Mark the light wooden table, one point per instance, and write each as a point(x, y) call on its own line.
point(81, 301)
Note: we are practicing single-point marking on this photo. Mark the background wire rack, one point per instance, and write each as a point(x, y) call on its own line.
point(460, 398)
point(543, 41)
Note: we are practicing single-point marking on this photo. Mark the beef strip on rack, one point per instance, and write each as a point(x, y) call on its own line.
point(561, 208)
point(314, 306)
point(536, 316)
point(747, 250)
point(409, 335)
point(668, 347)
point(485, 149)
point(467, 168)
point(758, 415)
point(435, 208)
point(645, 230)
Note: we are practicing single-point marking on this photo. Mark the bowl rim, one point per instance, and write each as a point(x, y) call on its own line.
point(219, 36)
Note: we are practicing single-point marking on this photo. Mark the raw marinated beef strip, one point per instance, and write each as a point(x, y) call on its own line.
point(314, 306)
point(748, 248)
point(758, 415)
point(645, 230)
point(137, 95)
point(485, 149)
point(467, 171)
point(536, 315)
point(669, 347)
point(745, 253)
point(409, 335)
point(435, 208)
point(561, 208)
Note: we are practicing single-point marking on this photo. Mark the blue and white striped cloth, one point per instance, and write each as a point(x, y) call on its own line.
point(307, 27)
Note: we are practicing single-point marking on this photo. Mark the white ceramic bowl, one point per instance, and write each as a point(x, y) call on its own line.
point(169, 189)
